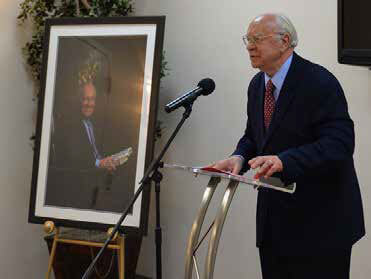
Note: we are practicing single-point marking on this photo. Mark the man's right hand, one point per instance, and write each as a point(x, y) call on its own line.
point(232, 164)
point(107, 163)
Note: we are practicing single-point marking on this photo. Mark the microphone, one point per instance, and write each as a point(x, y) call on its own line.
point(204, 87)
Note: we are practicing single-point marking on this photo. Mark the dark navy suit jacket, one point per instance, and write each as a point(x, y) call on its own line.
point(313, 135)
point(73, 178)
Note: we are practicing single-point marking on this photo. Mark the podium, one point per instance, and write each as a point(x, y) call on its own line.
point(216, 227)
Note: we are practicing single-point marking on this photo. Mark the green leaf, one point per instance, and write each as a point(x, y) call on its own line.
point(40, 10)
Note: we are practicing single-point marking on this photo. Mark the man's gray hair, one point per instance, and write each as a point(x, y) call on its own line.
point(285, 25)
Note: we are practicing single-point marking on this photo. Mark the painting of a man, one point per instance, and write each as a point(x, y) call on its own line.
point(84, 136)
point(91, 165)
point(96, 121)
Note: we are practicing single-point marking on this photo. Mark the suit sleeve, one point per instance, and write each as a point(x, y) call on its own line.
point(334, 137)
point(246, 146)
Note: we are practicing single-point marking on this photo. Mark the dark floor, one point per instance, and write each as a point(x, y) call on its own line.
point(141, 277)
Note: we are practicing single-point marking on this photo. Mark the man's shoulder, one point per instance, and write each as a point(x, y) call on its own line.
point(313, 70)
point(317, 80)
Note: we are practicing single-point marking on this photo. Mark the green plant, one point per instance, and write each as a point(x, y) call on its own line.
point(164, 71)
point(38, 11)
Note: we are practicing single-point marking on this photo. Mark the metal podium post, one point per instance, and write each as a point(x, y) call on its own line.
point(216, 229)
point(196, 227)
point(217, 225)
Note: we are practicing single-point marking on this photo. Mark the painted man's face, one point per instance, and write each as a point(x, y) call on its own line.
point(88, 100)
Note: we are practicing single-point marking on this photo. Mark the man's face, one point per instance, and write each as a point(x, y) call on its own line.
point(88, 100)
point(266, 51)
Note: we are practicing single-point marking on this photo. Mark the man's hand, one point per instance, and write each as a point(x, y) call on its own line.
point(268, 165)
point(232, 164)
point(107, 163)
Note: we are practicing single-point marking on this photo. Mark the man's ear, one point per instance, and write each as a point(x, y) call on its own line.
point(286, 39)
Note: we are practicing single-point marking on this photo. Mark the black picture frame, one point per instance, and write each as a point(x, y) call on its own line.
point(346, 54)
point(119, 60)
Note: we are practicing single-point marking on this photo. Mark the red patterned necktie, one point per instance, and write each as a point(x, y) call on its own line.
point(269, 103)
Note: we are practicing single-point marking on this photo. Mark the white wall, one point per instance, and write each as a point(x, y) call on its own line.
point(203, 39)
point(23, 252)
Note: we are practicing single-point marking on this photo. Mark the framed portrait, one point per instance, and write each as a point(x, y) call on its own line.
point(96, 121)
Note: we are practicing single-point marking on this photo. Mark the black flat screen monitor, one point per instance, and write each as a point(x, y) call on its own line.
point(354, 32)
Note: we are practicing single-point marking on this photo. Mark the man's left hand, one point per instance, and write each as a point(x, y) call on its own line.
point(267, 165)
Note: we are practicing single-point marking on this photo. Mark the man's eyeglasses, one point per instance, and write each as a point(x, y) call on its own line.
point(256, 39)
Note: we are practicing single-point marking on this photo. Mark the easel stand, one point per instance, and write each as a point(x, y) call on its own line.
point(118, 244)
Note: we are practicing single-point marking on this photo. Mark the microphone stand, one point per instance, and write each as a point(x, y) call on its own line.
point(146, 180)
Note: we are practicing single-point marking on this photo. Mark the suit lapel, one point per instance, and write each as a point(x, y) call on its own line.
point(284, 100)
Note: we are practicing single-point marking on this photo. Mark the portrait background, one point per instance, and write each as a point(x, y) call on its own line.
point(119, 87)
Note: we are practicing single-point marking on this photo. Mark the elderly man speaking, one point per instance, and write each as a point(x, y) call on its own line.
point(298, 129)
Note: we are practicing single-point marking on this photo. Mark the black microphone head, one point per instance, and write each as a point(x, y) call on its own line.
point(207, 85)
